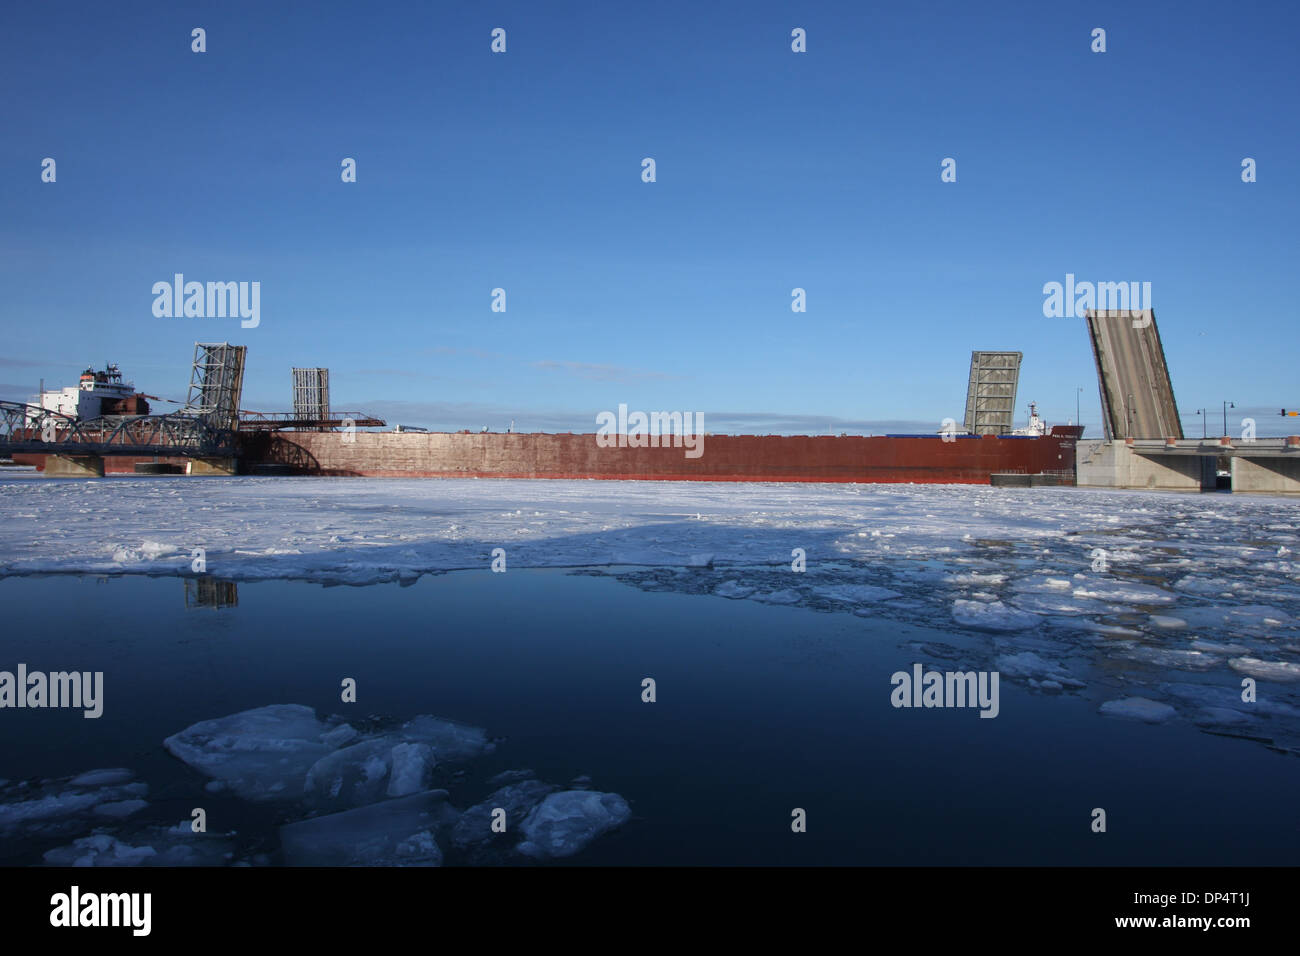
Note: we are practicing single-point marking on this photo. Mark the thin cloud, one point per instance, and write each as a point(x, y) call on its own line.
point(603, 373)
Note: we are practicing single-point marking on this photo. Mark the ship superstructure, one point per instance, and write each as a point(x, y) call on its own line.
point(97, 394)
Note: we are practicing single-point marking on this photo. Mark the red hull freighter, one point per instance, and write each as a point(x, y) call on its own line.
point(925, 459)
point(1033, 455)
point(928, 459)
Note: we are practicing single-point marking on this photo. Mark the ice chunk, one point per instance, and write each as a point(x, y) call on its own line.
point(351, 776)
point(1221, 716)
point(340, 736)
point(565, 822)
point(517, 800)
point(120, 808)
point(57, 805)
point(1217, 648)
point(511, 776)
point(856, 593)
point(1266, 670)
point(1167, 622)
point(1029, 665)
point(1053, 602)
point(1208, 587)
point(1138, 708)
point(1191, 660)
point(733, 590)
point(1212, 697)
point(401, 832)
point(1238, 620)
point(102, 778)
point(976, 578)
point(786, 596)
point(260, 754)
point(99, 850)
point(450, 740)
point(1123, 592)
point(411, 765)
point(153, 846)
point(994, 616)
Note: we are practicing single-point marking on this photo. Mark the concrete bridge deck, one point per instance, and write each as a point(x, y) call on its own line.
point(1262, 466)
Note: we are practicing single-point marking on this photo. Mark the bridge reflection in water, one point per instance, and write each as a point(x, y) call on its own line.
point(210, 592)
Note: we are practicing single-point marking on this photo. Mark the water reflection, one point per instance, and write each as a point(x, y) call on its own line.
point(210, 592)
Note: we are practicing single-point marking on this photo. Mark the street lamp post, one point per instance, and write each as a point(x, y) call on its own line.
point(1204, 428)
point(1226, 406)
point(1076, 404)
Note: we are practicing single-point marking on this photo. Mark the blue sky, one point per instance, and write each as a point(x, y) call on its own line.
point(775, 170)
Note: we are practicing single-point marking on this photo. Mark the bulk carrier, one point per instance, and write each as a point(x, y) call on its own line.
point(332, 445)
point(928, 459)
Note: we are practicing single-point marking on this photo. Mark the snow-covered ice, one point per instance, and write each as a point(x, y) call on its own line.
point(1196, 585)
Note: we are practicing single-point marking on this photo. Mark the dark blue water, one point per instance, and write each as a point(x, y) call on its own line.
point(760, 710)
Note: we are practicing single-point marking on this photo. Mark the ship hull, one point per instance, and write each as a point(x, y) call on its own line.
point(920, 459)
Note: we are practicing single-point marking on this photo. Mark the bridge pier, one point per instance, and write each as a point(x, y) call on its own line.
point(74, 466)
point(1270, 476)
point(1116, 464)
point(211, 466)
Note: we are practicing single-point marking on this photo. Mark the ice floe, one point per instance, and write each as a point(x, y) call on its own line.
point(564, 823)
point(284, 752)
point(1138, 708)
point(856, 593)
point(401, 832)
point(1266, 670)
point(993, 616)
point(367, 796)
point(517, 800)
point(52, 806)
point(153, 846)
point(1035, 670)
point(260, 754)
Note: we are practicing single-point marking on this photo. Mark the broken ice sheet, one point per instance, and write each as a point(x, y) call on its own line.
point(1138, 708)
point(516, 799)
point(151, 846)
point(260, 754)
point(283, 752)
point(63, 804)
point(401, 832)
point(993, 616)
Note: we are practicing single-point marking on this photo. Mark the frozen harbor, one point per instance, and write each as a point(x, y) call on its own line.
point(1122, 624)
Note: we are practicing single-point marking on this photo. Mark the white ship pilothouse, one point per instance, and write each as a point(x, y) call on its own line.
point(98, 393)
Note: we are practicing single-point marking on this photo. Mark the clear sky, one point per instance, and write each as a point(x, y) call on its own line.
point(775, 170)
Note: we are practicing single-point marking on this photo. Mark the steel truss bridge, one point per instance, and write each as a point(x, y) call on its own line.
point(279, 421)
point(31, 429)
